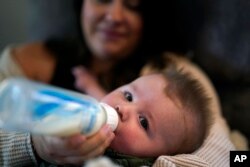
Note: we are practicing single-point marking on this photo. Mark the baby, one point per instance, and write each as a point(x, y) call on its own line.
point(160, 114)
point(165, 113)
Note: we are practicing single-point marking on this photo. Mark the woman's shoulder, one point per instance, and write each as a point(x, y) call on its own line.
point(35, 60)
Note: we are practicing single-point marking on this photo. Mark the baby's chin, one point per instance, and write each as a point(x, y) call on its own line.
point(117, 147)
point(114, 145)
point(126, 149)
point(121, 148)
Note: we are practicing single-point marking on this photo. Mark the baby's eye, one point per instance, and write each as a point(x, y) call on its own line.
point(143, 122)
point(128, 96)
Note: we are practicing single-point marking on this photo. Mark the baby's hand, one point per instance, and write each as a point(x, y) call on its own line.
point(87, 82)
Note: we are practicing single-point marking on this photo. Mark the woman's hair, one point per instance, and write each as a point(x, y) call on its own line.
point(157, 23)
point(70, 52)
point(193, 99)
point(128, 69)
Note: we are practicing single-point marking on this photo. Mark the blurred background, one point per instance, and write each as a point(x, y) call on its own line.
point(31, 20)
point(215, 32)
point(14, 25)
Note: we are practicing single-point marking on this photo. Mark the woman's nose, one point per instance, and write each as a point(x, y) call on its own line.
point(124, 112)
point(115, 12)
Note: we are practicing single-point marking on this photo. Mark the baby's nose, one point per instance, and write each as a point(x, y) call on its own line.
point(123, 112)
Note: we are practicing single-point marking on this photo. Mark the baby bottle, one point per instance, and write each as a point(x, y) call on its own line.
point(29, 106)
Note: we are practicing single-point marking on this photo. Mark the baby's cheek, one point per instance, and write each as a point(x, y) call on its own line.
point(124, 143)
point(111, 99)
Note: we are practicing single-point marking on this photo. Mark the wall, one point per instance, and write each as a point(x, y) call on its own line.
point(13, 22)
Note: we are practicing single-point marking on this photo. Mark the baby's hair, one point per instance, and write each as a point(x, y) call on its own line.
point(192, 98)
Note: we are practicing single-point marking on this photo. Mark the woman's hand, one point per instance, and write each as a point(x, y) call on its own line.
point(87, 83)
point(72, 150)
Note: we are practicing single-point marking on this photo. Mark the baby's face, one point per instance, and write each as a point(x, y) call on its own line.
point(151, 124)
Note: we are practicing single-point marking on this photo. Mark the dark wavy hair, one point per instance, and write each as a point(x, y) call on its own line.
point(148, 47)
point(159, 34)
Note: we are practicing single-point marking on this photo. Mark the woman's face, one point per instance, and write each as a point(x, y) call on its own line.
point(112, 28)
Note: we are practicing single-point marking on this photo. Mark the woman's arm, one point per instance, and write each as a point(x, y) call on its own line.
point(72, 150)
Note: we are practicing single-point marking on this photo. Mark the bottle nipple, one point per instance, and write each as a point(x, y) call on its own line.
point(112, 116)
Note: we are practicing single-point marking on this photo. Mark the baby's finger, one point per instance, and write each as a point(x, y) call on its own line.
point(79, 70)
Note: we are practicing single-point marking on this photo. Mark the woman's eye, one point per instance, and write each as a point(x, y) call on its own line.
point(143, 122)
point(102, 1)
point(128, 96)
point(132, 4)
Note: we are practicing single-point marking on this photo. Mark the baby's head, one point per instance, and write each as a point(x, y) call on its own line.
point(164, 113)
point(191, 98)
